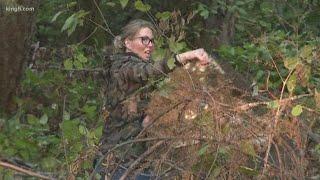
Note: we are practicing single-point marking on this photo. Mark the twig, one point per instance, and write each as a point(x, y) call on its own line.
point(99, 25)
point(275, 65)
point(160, 115)
point(82, 69)
point(22, 170)
point(95, 29)
point(212, 164)
point(137, 161)
point(276, 119)
point(122, 144)
point(104, 20)
point(282, 101)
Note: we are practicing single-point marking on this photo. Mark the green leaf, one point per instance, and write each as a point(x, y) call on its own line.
point(266, 7)
point(247, 148)
point(248, 171)
point(297, 110)
point(306, 53)
point(98, 131)
point(77, 64)
point(139, 5)
point(273, 104)
point(56, 16)
point(292, 82)
point(82, 130)
point(32, 120)
point(203, 150)
point(123, 3)
point(44, 119)
point(70, 23)
point(164, 15)
point(71, 4)
point(68, 64)
point(70, 129)
point(49, 162)
point(176, 47)
point(291, 63)
point(81, 58)
point(66, 115)
point(90, 111)
point(171, 63)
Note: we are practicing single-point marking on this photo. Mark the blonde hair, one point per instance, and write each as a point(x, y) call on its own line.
point(129, 31)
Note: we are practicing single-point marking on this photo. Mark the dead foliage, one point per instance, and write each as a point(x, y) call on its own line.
point(213, 136)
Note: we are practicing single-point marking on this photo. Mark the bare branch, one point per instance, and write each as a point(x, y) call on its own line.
point(22, 170)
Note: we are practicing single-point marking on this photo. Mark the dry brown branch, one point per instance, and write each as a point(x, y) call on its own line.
point(125, 143)
point(275, 123)
point(22, 170)
point(160, 115)
point(281, 102)
point(139, 159)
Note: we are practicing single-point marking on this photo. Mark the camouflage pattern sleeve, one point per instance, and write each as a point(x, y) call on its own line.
point(140, 71)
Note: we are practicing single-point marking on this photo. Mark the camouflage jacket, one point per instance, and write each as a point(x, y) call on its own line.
point(126, 95)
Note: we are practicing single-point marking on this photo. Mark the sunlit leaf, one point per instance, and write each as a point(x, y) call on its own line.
point(81, 58)
point(66, 115)
point(82, 130)
point(164, 15)
point(306, 53)
point(32, 120)
point(290, 63)
point(68, 64)
point(72, 4)
point(296, 110)
point(139, 5)
point(171, 63)
point(248, 171)
point(292, 83)
point(123, 3)
point(176, 47)
point(70, 23)
point(78, 64)
point(273, 104)
point(56, 16)
point(44, 119)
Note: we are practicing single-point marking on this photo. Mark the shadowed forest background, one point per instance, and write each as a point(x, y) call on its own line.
point(261, 120)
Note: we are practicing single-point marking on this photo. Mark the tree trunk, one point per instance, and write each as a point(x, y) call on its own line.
point(224, 23)
point(16, 27)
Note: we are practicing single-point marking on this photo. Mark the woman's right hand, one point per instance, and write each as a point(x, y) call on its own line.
point(201, 55)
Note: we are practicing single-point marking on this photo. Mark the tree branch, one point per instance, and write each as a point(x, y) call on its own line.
point(140, 158)
point(282, 101)
point(22, 170)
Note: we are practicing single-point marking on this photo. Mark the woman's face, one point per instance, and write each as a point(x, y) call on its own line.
point(141, 44)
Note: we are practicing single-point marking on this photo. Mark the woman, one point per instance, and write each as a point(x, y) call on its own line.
point(128, 73)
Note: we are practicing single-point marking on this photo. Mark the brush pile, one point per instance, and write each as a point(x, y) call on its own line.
point(215, 129)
